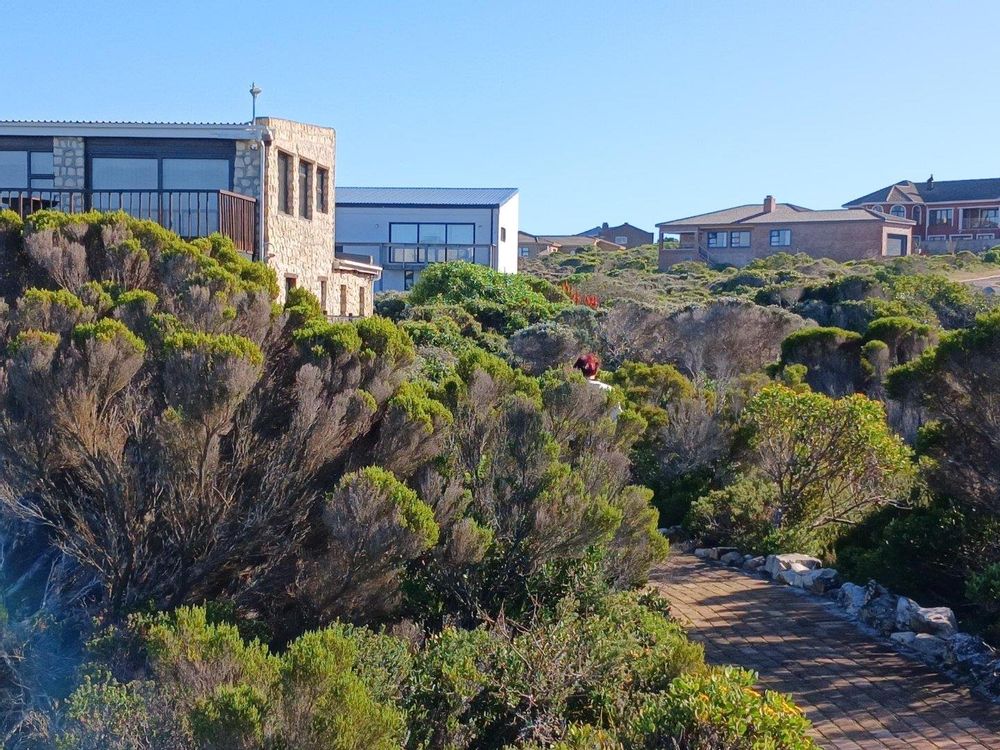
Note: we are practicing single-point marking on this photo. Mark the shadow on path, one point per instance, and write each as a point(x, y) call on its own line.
point(857, 691)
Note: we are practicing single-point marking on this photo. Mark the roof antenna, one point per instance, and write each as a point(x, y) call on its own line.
point(254, 92)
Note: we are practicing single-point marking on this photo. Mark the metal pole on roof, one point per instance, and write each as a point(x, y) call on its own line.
point(254, 92)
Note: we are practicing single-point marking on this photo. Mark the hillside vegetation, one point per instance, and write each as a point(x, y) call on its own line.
point(229, 524)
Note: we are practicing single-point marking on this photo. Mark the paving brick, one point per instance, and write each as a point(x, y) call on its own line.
point(859, 693)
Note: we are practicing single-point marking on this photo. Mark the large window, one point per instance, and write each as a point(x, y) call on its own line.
point(124, 174)
point(718, 239)
point(23, 169)
point(980, 218)
point(431, 242)
point(195, 174)
point(899, 211)
point(284, 183)
point(781, 237)
point(939, 216)
point(739, 239)
point(305, 194)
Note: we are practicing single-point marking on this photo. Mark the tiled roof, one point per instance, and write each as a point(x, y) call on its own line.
point(423, 196)
point(784, 213)
point(938, 191)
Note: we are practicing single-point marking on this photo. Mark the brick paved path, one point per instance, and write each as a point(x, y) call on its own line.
point(857, 692)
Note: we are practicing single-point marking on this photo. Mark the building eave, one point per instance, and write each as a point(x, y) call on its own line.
point(220, 131)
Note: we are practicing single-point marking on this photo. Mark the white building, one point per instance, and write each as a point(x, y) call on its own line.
point(404, 229)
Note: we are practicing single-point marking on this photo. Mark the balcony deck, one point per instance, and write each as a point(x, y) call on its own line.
point(396, 255)
point(189, 213)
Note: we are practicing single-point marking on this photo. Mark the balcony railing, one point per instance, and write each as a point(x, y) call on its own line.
point(398, 254)
point(189, 213)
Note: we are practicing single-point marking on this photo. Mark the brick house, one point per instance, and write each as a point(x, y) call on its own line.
point(738, 235)
point(267, 185)
point(537, 245)
point(626, 235)
point(948, 215)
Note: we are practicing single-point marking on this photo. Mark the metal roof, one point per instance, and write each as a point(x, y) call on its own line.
point(423, 196)
point(106, 128)
point(783, 213)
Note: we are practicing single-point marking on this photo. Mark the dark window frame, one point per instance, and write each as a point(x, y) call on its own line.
point(776, 241)
point(304, 188)
point(739, 243)
point(322, 189)
point(468, 254)
point(285, 180)
point(29, 175)
point(712, 239)
point(160, 149)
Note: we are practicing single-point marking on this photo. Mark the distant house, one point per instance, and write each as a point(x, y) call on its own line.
point(267, 185)
point(538, 245)
point(405, 229)
point(948, 214)
point(738, 235)
point(625, 235)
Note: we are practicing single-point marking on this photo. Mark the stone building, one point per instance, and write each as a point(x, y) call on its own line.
point(738, 235)
point(268, 185)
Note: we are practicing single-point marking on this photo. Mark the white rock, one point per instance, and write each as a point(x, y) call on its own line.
point(702, 552)
point(852, 597)
point(732, 558)
point(717, 553)
point(928, 647)
point(776, 563)
point(790, 578)
point(753, 564)
point(938, 621)
point(821, 580)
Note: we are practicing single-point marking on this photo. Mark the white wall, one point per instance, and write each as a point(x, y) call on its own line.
point(370, 224)
point(508, 218)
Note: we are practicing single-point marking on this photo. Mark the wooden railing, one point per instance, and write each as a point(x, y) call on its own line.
point(189, 213)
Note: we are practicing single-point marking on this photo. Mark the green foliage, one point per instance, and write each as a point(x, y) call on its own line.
point(213, 345)
point(501, 302)
point(413, 399)
point(106, 330)
point(832, 461)
point(723, 709)
point(652, 388)
point(325, 339)
point(737, 515)
point(414, 514)
point(303, 306)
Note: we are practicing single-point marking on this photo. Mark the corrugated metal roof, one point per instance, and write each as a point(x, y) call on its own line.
point(120, 122)
point(423, 196)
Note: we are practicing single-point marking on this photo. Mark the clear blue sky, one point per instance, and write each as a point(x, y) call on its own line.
point(598, 111)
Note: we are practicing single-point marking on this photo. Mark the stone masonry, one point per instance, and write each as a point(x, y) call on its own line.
point(68, 162)
point(246, 168)
point(350, 293)
point(298, 246)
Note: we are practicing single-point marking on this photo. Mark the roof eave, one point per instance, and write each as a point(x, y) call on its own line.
point(221, 131)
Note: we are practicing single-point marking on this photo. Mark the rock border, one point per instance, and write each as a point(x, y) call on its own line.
point(928, 634)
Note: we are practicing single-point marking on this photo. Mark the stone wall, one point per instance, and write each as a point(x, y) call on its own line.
point(246, 169)
point(350, 293)
point(68, 162)
point(295, 245)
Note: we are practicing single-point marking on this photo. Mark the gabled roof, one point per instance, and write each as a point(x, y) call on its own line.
point(937, 191)
point(597, 230)
point(783, 213)
point(423, 196)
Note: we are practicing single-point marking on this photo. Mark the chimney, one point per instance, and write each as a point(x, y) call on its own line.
point(930, 182)
point(605, 225)
point(770, 204)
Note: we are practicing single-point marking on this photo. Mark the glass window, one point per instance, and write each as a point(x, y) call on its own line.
point(433, 234)
point(739, 239)
point(718, 239)
point(525, 252)
point(503, 234)
point(305, 194)
point(403, 233)
point(284, 183)
point(195, 174)
point(878, 208)
point(939, 216)
point(124, 174)
point(899, 211)
point(42, 182)
point(41, 162)
point(290, 284)
point(407, 280)
point(461, 234)
point(14, 169)
point(979, 218)
point(916, 214)
point(621, 240)
point(781, 237)
point(322, 190)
